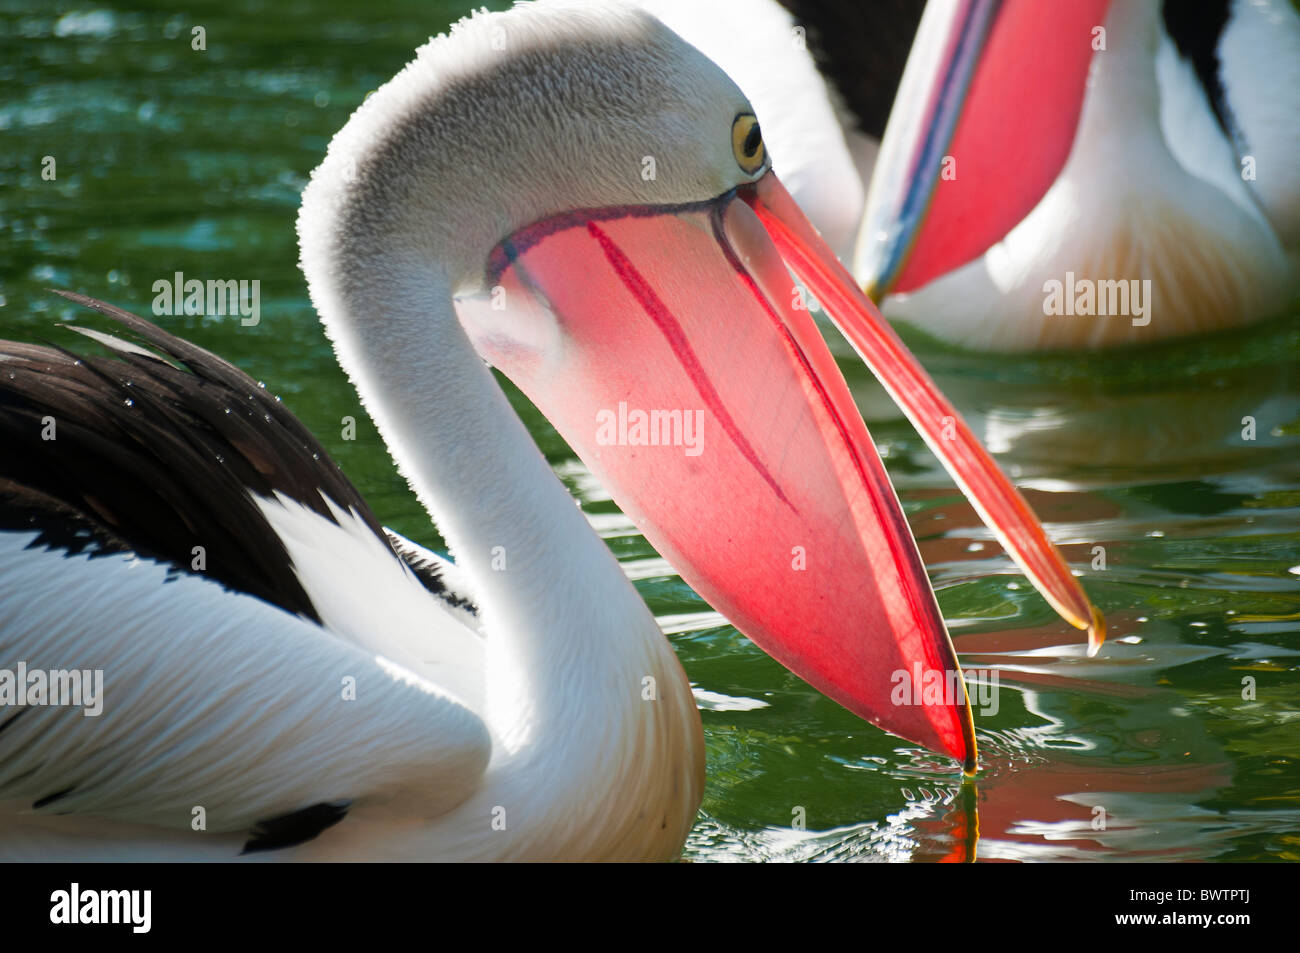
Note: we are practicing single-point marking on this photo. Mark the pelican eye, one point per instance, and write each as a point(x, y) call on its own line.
point(747, 143)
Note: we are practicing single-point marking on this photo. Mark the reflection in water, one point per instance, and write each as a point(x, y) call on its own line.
point(940, 826)
point(1169, 478)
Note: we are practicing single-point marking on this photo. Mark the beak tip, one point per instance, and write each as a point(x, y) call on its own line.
point(1096, 632)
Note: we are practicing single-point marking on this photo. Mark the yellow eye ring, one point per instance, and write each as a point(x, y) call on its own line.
point(747, 143)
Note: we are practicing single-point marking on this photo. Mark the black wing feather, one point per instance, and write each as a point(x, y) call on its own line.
point(839, 35)
point(429, 574)
point(297, 827)
point(158, 455)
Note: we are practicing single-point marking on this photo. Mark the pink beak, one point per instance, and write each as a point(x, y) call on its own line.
point(670, 349)
point(995, 88)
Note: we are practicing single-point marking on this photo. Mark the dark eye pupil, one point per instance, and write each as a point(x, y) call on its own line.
point(752, 141)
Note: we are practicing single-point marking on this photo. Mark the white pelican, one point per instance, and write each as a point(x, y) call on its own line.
point(283, 679)
point(1092, 147)
point(1037, 155)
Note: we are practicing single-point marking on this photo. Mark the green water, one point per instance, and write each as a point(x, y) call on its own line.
point(172, 160)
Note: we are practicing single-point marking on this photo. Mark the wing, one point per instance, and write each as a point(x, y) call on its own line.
point(175, 454)
point(437, 574)
point(157, 453)
point(169, 528)
point(376, 601)
point(194, 696)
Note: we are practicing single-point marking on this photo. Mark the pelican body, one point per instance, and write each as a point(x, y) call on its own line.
point(284, 679)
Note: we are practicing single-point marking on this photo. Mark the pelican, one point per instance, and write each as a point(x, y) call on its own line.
point(1042, 160)
point(1099, 153)
point(577, 196)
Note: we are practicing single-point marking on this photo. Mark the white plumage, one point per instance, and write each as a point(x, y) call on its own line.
point(529, 736)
